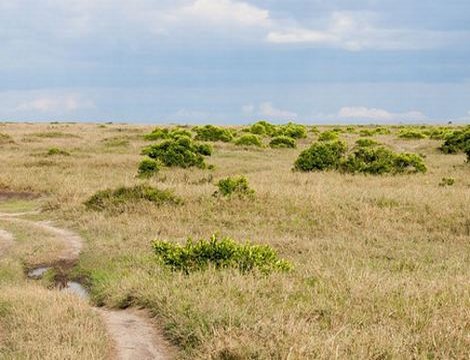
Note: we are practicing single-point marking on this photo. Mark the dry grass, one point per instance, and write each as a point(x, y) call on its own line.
point(381, 263)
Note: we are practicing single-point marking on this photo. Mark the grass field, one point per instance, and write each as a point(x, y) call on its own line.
point(381, 263)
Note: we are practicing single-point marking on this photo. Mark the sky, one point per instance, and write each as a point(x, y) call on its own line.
point(235, 62)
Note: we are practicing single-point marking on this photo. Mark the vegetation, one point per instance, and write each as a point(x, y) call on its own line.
point(249, 140)
point(5, 139)
point(213, 133)
point(366, 142)
point(180, 152)
point(122, 197)
point(294, 131)
point(234, 186)
point(457, 141)
point(411, 134)
point(282, 141)
point(56, 151)
point(219, 253)
point(262, 128)
point(322, 155)
point(148, 168)
point(165, 133)
point(447, 181)
point(329, 135)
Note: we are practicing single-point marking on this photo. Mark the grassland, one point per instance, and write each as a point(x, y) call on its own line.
point(381, 262)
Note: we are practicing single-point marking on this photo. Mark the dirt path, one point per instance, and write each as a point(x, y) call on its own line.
point(132, 331)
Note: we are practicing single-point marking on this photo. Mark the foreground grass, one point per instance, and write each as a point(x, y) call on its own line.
point(381, 263)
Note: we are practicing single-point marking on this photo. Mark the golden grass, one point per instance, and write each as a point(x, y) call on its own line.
point(381, 263)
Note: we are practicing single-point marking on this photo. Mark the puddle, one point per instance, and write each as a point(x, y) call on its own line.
point(72, 287)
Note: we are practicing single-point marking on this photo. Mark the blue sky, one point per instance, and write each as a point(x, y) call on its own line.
point(229, 61)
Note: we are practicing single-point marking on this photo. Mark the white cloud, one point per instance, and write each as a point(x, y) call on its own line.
point(361, 30)
point(55, 104)
point(267, 110)
point(379, 115)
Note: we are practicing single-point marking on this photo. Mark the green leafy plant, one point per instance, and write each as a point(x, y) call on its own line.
point(213, 133)
point(458, 140)
point(249, 140)
point(329, 135)
point(148, 168)
point(322, 155)
point(411, 134)
point(179, 152)
point(219, 253)
point(120, 198)
point(366, 142)
point(56, 151)
point(380, 160)
point(165, 133)
point(447, 182)
point(234, 186)
point(282, 141)
point(292, 130)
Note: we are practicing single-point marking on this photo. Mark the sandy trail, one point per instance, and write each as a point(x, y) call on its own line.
point(132, 331)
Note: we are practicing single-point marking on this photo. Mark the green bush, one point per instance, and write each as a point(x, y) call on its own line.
point(219, 254)
point(380, 160)
point(57, 151)
point(457, 141)
point(366, 132)
point(213, 133)
point(322, 155)
point(164, 133)
point(148, 168)
point(411, 134)
point(119, 198)
point(180, 152)
point(295, 131)
point(249, 140)
point(366, 142)
point(204, 149)
point(234, 186)
point(262, 128)
point(5, 139)
point(329, 135)
point(282, 142)
point(447, 182)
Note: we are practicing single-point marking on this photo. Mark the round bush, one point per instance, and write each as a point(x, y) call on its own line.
point(148, 168)
point(328, 136)
point(321, 155)
point(213, 133)
point(282, 142)
point(249, 140)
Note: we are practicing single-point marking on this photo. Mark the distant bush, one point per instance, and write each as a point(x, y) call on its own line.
point(57, 151)
point(380, 160)
point(458, 140)
point(234, 186)
point(295, 131)
point(213, 133)
point(262, 128)
point(148, 168)
point(5, 139)
point(117, 141)
point(204, 149)
point(220, 254)
point(329, 135)
point(180, 152)
point(366, 142)
point(249, 140)
point(382, 131)
point(123, 196)
point(164, 133)
point(411, 134)
point(322, 155)
point(366, 132)
point(282, 142)
point(439, 133)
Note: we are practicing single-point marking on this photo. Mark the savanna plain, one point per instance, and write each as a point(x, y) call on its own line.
point(368, 263)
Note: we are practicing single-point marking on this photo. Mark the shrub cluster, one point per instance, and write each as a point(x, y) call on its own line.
point(375, 131)
point(363, 159)
point(294, 131)
point(457, 141)
point(329, 135)
point(148, 168)
point(56, 151)
point(262, 128)
point(249, 140)
point(447, 182)
point(411, 134)
point(164, 133)
point(234, 186)
point(5, 139)
point(366, 142)
point(219, 253)
point(119, 198)
point(322, 155)
point(180, 152)
point(282, 141)
point(380, 160)
point(213, 133)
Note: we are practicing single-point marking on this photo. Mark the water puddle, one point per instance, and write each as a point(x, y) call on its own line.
point(38, 272)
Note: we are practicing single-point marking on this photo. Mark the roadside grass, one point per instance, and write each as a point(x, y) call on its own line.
point(18, 205)
point(380, 263)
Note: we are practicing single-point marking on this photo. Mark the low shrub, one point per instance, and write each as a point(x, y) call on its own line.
point(148, 168)
point(180, 152)
point(366, 132)
point(295, 131)
point(249, 140)
point(219, 253)
point(204, 149)
point(282, 142)
point(5, 139)
point(322, 155)
point(366, 142)
point(447, 182)
point(164, 133)
point(411, 134)
point(329, 135)
point(458, 140)
point(380, 160)
point(57, 151)
point(262, 128)
point(118, 141)
point(213, 133)
point(120, 198)
point(234, 186)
